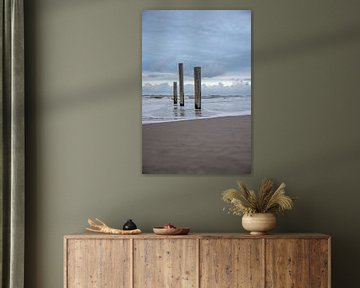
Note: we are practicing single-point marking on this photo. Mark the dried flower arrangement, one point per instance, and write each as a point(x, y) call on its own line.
point(246, 202)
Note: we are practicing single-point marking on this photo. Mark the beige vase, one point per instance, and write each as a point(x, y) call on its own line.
point(259, 223)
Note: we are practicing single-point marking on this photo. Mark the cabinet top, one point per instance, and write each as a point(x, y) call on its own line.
point(87, 235)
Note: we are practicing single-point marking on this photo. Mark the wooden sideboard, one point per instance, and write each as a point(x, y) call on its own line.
point(197, 260)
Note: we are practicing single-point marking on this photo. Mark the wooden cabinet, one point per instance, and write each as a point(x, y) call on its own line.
point(197, 260)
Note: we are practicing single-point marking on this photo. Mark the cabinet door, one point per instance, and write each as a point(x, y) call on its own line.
point(320, 263)
point(231, 263)
point(287, 263)
point(165, 263)
point(98, 263)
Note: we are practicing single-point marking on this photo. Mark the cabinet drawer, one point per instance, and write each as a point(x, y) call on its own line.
point(230, 263)
point(297, 263)
point(98, 263)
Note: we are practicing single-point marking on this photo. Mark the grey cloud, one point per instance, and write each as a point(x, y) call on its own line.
point(239, 88)
point(217, 40)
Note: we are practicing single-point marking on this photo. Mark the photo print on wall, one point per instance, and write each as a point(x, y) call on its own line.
point(196, 92)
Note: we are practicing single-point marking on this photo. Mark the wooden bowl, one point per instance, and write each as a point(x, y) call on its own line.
point(171, 231)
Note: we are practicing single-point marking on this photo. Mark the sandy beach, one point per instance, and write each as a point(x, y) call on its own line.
point(217, 146)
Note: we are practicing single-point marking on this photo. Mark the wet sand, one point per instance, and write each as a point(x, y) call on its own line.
point(215, 146)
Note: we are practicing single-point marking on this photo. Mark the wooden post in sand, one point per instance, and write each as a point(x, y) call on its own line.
point(181, 83)
point(197, 86)
point(175, 92)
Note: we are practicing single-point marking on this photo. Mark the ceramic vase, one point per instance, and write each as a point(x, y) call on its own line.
point(259, 223)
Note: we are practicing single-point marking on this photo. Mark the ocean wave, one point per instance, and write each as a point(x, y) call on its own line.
point(160, 108)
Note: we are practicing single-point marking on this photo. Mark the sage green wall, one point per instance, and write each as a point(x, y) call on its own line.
point(84, 128)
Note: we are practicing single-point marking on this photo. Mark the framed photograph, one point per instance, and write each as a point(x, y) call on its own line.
point(196, 92)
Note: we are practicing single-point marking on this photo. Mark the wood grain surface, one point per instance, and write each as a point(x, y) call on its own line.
point(98, 264)
point(89, 235)
point(287, 263)
point(165, 263)
point(197, 260)
point(319, 263)
point(231, 263)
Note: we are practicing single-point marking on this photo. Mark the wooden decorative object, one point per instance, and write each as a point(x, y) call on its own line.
point(197, 261)
point(171, 231)
point(101, 227)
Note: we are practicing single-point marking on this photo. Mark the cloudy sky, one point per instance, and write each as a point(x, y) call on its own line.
point(217, 40)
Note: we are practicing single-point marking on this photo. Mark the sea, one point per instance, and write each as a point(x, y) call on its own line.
point(160, 108)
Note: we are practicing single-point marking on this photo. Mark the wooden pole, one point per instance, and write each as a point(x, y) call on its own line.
point(197, 85)
point(175, 92)
point(181, 83)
